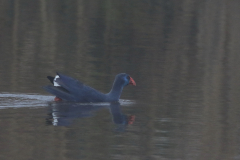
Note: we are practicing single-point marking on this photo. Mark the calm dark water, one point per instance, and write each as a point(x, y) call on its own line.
point(183, 55)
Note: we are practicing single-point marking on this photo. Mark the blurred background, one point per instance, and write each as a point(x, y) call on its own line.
point(183, 55)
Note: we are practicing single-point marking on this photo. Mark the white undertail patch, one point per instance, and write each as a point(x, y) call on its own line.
point(54, 81)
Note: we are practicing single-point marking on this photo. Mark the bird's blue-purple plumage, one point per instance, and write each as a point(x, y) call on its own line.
point(71, 89)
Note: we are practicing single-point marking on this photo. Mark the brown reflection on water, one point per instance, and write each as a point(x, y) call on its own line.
point(184, 56)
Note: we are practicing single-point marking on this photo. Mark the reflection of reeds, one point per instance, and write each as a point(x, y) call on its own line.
point(15, 45)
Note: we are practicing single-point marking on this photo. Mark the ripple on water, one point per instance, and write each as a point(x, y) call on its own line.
point(17, 100)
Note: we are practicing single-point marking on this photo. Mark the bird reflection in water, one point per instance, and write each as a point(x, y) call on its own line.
point(62, 114)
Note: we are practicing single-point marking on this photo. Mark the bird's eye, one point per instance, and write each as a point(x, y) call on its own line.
point(126, 80)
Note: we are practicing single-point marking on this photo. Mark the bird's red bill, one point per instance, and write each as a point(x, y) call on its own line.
point(132, 82)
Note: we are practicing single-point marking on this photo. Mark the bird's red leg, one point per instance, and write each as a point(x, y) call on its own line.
point(56, 99)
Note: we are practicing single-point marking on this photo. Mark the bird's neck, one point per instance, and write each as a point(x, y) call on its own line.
point(115, 92)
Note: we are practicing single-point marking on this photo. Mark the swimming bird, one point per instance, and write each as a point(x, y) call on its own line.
point(69, 89)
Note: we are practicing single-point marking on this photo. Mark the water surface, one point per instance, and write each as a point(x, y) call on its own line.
point(183, 55)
